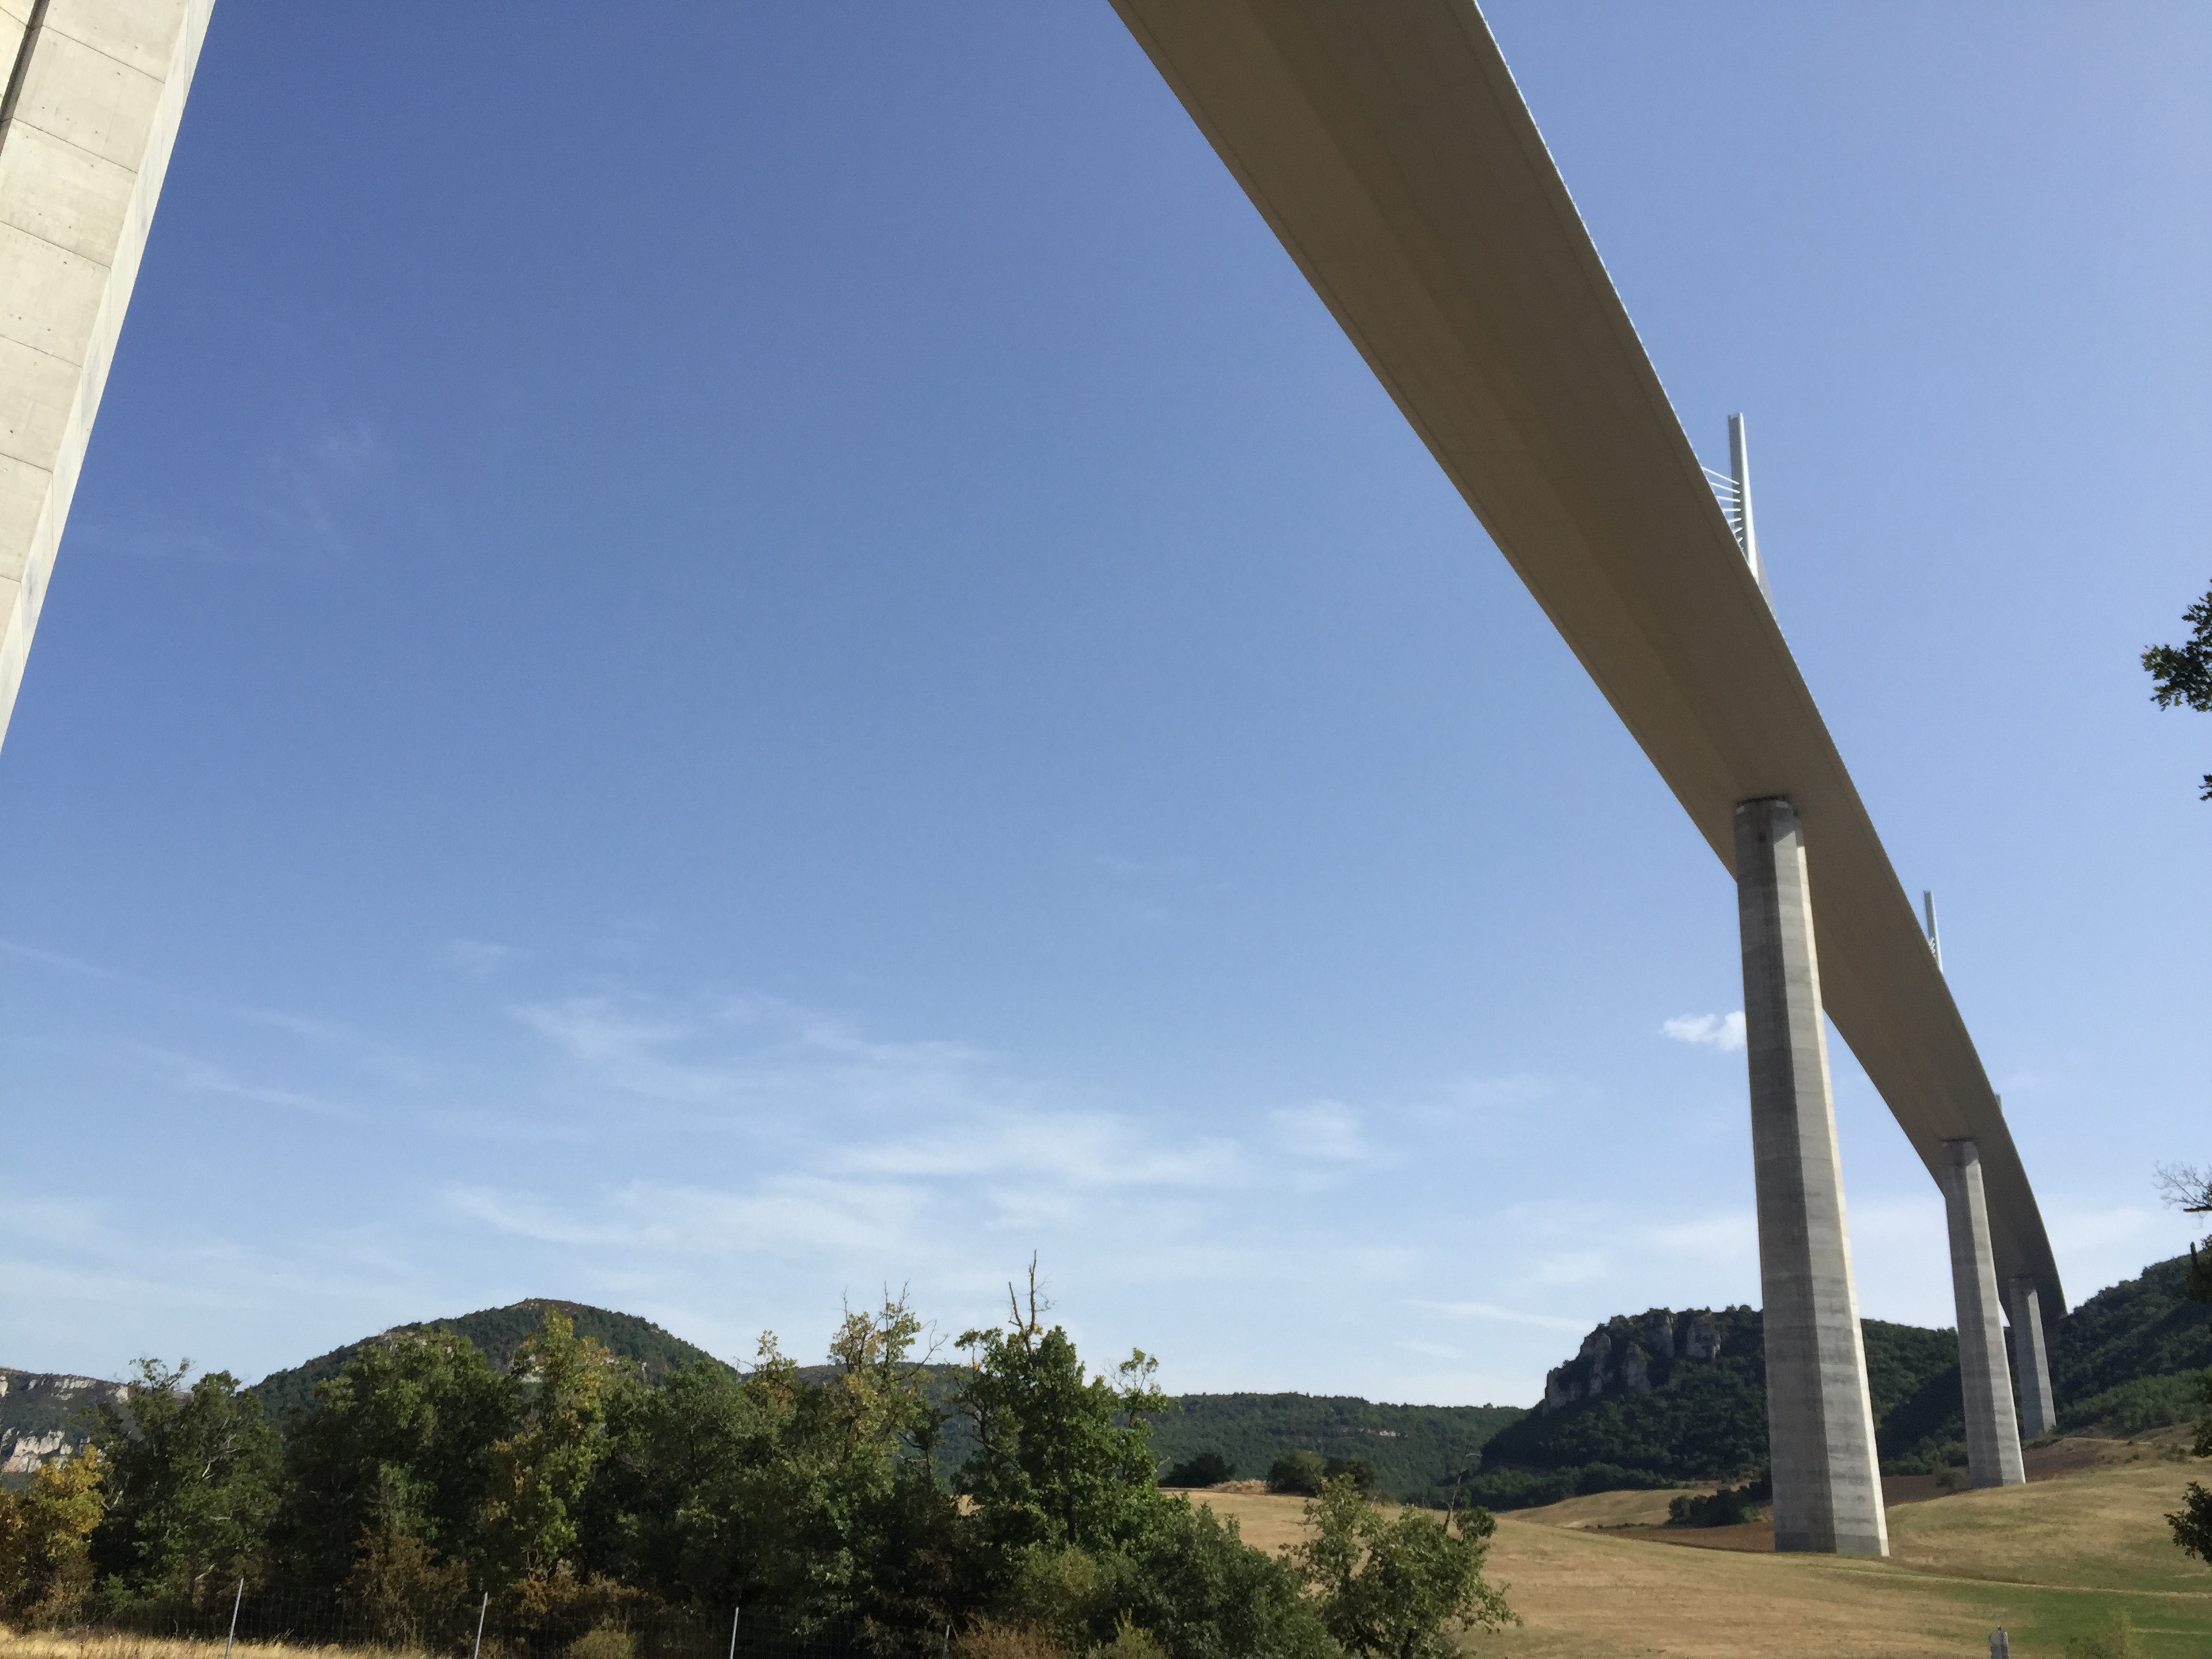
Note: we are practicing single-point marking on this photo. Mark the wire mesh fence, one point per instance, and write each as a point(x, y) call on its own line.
point(479, 1627)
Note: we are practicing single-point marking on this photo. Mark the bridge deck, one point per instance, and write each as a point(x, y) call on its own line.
point(1388, 149)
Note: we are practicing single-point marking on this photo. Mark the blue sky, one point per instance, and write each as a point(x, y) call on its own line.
point(713, 658)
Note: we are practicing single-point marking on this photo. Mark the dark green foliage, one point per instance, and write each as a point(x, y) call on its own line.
point(2123, 1361)
point(2192, 1523)
point(2141, 1328)
point(497, 1332)
point(1062, 1459)
point(1299, 1474)
point(1208, 1468)
point(400, 1443)
point(2181, 675)
point(1731, 1506)
point(1192, 1585)
point(1710, 1423)
point(1412, 1448)
point(1357, 1470)
point(1919, 1405)
point(189, 1482)
point(810, 1502)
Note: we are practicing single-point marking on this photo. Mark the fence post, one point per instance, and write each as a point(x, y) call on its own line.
point(734, 1611)
point(234, 1601)
point(477, 1652)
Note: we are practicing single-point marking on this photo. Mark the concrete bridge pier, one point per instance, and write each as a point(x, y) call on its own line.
point(1820, 1415)
point(1992, 1432)
point(2031, 1361)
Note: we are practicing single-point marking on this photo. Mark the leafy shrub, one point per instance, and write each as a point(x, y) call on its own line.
point(1298, 1472)
point(1400, 1588)
point(1731, 1506)
point(1208, 1468)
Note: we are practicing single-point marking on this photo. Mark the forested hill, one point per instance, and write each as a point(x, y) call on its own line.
point(1413, 1448)
point(1660, 1397)
point(498, 1332)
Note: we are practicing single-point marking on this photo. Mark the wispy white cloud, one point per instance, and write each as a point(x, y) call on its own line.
point(300, 506)
point(1569, 1268)
point(1721, 1031)
point(1326, 1129)
point(1491, 1311)
point(477, 958)
point(194, 1075)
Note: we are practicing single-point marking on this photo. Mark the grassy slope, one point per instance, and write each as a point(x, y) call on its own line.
point(2046, 1561)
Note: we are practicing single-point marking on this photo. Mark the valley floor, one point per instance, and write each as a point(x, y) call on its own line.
point(1598, 1578)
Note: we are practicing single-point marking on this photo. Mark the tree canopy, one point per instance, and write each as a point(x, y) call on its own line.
point(2181, 675)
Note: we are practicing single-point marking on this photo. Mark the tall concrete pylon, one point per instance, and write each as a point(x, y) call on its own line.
point(95, 91)
point(1993, 1456)
point(2038, 1413)
point(1819, 1413)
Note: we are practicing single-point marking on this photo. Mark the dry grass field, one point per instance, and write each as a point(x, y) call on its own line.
point(1597, 1579)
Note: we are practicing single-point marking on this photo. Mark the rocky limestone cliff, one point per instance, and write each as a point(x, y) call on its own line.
point(44, 1415)
point(1637, 1353)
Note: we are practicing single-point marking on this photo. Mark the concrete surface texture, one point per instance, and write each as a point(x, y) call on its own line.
point(1820, 1414)
point(1388, 149)
point(1992, 1429)
point(94, 94)
point(2038, 1413)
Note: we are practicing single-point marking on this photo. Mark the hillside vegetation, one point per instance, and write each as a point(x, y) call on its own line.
point(497, 1332)
point(1660, 1397)
point(1411, 1448)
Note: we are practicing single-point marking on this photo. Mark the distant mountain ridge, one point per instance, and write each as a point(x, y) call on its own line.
point(498, 1332)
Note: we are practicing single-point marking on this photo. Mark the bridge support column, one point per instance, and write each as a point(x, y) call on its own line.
point(1992, 1430)
point(1820, 1416)
point(2030, 1360)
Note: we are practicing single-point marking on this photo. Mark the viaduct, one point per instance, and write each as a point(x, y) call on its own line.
point(1388, 149)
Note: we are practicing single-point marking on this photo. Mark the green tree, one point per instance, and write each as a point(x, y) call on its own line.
point(526, 1526)
point(1062, 1457)
point(1300, 1474)
point(45, 1540)
point(1207, 1469)
point(190, 1483)
point(812, 1502)
point(1398, 1587)
point(400, 1444)
point(2181, 675)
